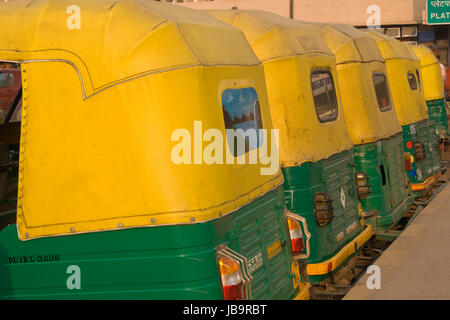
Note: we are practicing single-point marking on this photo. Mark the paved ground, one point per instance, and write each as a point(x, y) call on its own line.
point(417, 264)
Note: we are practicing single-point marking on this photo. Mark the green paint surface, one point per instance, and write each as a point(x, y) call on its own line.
point(167, 262)
point(424, 132)
point(437, 112)
point(384, 163)
point(336, 177)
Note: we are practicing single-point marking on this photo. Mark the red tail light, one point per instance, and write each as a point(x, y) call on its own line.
point(408, 162)
point(232, 283)
point(296, 235)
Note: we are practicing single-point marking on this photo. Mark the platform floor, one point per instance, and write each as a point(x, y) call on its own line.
point(417, 264)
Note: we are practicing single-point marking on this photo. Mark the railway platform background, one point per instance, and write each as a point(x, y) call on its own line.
point(416, 266)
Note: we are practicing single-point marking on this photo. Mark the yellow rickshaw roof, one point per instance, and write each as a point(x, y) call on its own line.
point(401, 62)
point(348, 43)
point(433, 84)
point(391, 48)
point(117, 40)
point(272, 36)
point(358, 59)
point(106, 161)
point(290, 51)
point(425, 55)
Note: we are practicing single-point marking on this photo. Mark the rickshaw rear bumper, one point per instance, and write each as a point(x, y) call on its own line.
point(423, 186)
point(332, 264)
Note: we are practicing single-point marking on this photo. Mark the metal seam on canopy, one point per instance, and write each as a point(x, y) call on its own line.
point(124, 80)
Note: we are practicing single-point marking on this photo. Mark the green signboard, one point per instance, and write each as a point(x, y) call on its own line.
point(438, 11)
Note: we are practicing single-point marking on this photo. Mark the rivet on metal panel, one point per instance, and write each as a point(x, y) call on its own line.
point(120, 225)
point(72, 229)
point(153, 220)
point(192, 219)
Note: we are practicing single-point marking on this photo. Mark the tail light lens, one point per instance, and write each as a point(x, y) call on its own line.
point(363, 185)
point(231, 277)
point(323, 209)
point(296, 235)
point(419, 151)
point(408, 161)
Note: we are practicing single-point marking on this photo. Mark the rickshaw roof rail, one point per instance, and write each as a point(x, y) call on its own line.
point(272, 36)
point(117, 41)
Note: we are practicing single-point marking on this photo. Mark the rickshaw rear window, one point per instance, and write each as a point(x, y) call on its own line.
point(6, 79)
point(412, 81)
point(242, 118)
point(382, 91)
point(324, 94)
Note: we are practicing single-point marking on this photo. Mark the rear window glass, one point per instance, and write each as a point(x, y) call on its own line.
point(382, 91)
point(6, 79)
point(324, 94)
point(242, 115)
point(412, 81)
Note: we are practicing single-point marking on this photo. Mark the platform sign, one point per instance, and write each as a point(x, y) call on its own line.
point(438, 11)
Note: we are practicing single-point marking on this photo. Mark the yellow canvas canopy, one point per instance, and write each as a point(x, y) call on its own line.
point(433, 84)
point(358, 59)
point(290, 52)
point(103, 160)
point(402, 64)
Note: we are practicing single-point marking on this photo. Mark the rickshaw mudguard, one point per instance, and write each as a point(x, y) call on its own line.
point(164, 262)
point(335, 176)
point(384, 162)
point(437, 112)
point(425, 133)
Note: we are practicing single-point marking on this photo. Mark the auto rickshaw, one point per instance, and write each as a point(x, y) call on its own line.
point(372, 122)
point(422, 158)
point(114, 199)
point(315, 148)
point(433, 89)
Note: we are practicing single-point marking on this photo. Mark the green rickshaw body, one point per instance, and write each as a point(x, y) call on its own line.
point(336, 177)
point(420, 141)
point(433, 89)
point(372, 122)
point(423, 173)
point(384, 164)
point(437, 112)
point(105, 211)
point(172, 262)
point(315, 147)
